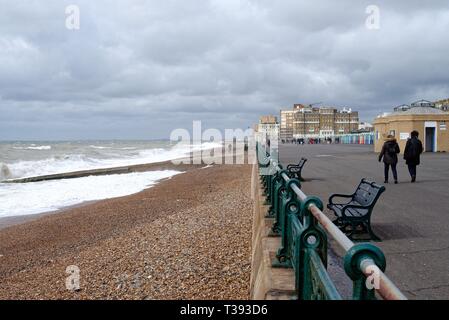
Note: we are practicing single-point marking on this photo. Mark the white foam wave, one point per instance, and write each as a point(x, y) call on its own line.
point(23, 169)
point(46, 196)
point(99, 147)
point(33, 147)
point(77, 162)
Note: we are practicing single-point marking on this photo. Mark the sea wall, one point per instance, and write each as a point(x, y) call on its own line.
point(267, 283)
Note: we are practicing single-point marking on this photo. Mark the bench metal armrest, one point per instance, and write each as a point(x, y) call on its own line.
point(339, 196)
point(299, 165)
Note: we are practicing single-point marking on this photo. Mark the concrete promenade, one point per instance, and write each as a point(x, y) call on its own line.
point(411, 219)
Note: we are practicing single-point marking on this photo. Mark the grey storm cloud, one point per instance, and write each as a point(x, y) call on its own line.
point(139, 68)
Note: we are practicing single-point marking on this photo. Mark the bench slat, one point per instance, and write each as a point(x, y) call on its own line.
point(365, 195)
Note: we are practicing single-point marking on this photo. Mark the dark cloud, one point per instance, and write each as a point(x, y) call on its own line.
point(139, 69)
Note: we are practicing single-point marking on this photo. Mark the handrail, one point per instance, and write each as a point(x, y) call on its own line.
point(386, 288)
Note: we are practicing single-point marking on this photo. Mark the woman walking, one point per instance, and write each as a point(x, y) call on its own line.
point(389, 153)
point(412, 152)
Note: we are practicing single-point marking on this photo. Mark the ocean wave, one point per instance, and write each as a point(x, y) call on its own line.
point(60, 163)
point(40, 148)
point(33, 148)
point(108, 148)
point(53, 195)
point(52, 165)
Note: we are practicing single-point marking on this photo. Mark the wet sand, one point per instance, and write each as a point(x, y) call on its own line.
point(185, 238)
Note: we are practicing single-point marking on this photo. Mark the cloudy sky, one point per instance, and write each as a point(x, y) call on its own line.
point(137, 69)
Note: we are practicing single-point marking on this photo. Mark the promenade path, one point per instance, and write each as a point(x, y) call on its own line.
point(411, 219)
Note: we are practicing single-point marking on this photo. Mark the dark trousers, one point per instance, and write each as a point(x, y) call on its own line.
point(393, 169)
point(412, 170)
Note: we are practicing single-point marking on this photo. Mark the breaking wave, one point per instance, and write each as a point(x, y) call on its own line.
point(97, 159)
point(33, 147)
point(31, 198)
point(56, 194)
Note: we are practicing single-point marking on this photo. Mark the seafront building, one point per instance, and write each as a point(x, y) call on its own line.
point(313, 122)
point(286, 127)
point(422, 116)
point(268, 127)
point(442, 104)
point(365, 127)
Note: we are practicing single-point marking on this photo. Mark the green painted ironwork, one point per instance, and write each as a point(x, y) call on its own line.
point(304, 244)
point(352, 262)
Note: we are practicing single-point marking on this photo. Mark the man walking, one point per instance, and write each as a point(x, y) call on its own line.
point(412, 152)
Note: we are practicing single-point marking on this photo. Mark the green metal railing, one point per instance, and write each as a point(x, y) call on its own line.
point(303, 228)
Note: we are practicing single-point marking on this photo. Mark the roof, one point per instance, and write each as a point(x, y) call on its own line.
point(418, 111)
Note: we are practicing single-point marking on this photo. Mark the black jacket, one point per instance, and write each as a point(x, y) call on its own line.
point(413, 150)
point(389, 152)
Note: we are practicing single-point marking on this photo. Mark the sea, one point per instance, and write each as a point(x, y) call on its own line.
point(22, 159)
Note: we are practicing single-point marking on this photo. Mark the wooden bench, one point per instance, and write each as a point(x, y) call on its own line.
point(295, 170)
point(354, 215)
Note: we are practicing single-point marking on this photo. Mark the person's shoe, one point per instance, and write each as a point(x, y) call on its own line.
point(386, 181)
point(413, 178)
point(396, 182)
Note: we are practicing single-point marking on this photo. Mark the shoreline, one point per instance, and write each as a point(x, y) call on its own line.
point(94, 172)
point(8, 221)
point(170, 236)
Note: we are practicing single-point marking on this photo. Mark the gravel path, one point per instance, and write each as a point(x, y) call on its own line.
point(186, 238)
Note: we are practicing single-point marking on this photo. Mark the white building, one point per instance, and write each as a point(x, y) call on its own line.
point(365, 126)
point(268, 127)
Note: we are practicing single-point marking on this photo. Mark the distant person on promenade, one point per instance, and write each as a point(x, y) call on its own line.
point(389, 153)
point(412, 152)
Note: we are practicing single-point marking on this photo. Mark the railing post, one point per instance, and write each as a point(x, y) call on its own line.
point(279, 188)
point(267, 189)
point(264, 179)
point(352, 261)
point(264, 164)
point(313, 238)
point(272, 180)
point(270, 175)
point(289, 205)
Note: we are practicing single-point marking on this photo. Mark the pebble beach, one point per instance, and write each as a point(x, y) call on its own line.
point(188, 237)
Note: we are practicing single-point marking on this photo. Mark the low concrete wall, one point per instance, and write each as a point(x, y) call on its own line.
point(267, 283)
